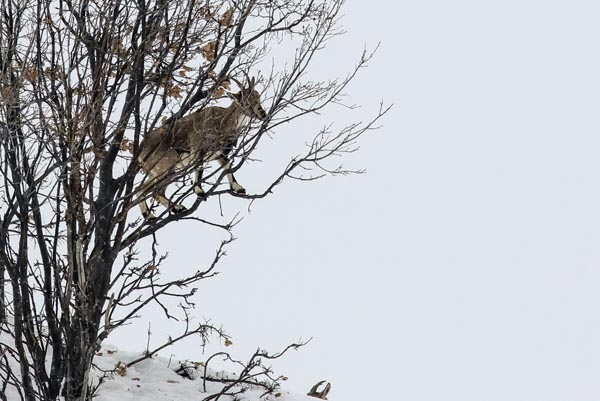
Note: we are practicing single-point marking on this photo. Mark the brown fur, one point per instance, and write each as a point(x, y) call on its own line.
point(204, 135)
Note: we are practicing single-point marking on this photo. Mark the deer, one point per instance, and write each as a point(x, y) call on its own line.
point(322, 395)
point(207, 134)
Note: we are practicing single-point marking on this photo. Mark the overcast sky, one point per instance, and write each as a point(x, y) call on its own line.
point(464, 265)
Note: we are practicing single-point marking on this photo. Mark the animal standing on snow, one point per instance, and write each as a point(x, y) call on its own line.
point(204, 135)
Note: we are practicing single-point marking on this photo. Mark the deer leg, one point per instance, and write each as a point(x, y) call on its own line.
point(146, 212)
point(198, 188)
point(159, 195)
point(162, 198)
point(233, 184)
point(142, 199)
point(156, 187)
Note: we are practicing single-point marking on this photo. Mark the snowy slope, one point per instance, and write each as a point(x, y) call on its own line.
point(155, 379)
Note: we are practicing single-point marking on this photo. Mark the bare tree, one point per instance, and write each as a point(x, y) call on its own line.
point(81, 83)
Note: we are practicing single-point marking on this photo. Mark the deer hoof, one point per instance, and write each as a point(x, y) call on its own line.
point(239, 190)
point(178, 209)
point(199, 191)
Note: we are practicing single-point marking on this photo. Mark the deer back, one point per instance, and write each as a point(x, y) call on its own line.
point(197, 132)
point(207, 130)
point(210, 129)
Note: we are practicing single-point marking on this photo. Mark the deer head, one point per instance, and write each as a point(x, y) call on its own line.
point(248, 99)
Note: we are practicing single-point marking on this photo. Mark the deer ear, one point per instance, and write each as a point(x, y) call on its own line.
point(252, 82)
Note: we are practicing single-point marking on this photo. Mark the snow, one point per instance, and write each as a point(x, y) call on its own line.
point(155, 379)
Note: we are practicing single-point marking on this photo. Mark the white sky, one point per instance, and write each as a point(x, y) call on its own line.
point(465, 264)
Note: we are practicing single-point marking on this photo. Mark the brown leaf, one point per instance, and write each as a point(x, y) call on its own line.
point(209, 51)
point(30, 74)
point(126, 144)
point(53, 73)
point(121, 369)
point(174, 91)
point(206, 12)
point(228, 342)
point(227, 18)
point(218, 93)
point(6, 91)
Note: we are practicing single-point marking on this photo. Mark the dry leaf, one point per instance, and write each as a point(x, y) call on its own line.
point(228, 342)
point(218, 93)
point(174, 91)
point(121, 369)
point(137, 379)
point(206, 12)
point(30, 74)
point(184, 70)
point(50, 72)
point(6, 91)
point(124, 144)
point(209, 51)
point(227, 18)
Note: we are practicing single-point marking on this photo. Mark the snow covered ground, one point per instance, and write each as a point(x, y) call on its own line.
point(156, 379)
